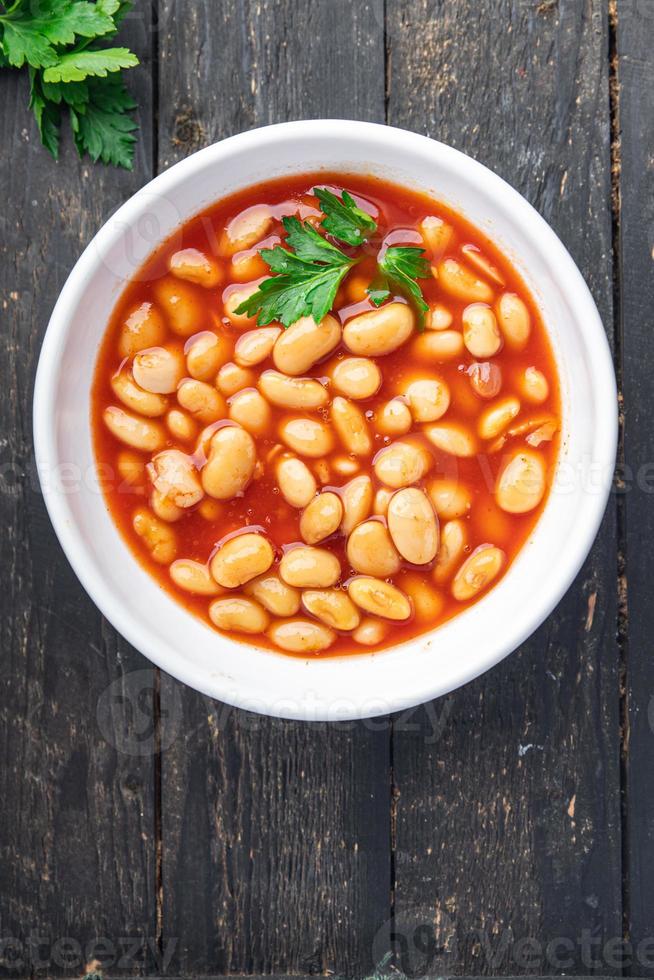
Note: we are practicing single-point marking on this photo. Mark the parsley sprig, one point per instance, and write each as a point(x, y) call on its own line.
point(399, 268)
point(61, 43)
point(308, 269)
point(343, 218)
point(306, 279)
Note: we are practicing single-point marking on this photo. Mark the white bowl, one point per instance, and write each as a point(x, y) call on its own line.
point(420, 669)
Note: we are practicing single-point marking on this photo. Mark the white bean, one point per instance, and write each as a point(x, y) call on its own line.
point(485, 378)
point(413, 526)
point(182, 304)
point(357, 502)
point(322, 517)
point(307, 437)
point(192, 576)
point(521, 482)
point(370, 632)
point(210, 510)
point(158, 537)
point(310, 568)
point(357, 377)
point(296, 481)
point(436, 234)
point(202, 401)
point(248, 265)
point(332, 607)
point(180, 425)
point(379, 598)
point(481, 335)
point(305, 343)
point(394, 419)
point(255, 346)
point(439, 317)
point(232, 299)
point(345, 465)
point(533, 385)
point(136, 398)
point(402, 463)
point(251, 411)
point(461, 282)
point(143, 327)
point(164, 508)
point(301, 636)
point(379, 332)
point(498, 416)
point(382, 500)
point(351, 427)
point(231, 462)
point(241, 559)
point(274, 595)
point(158, 369)
point(452, 438)
point(134, 431)
point(295, 393)
point(514, 320)
point(427, 602)
point(131, 468)
point(454, 538)
point(439, 346)
point(196, 266)
point(232, 378)
point(322, 471)
point(477, 572)
point(174, 475)
point(449, 498)
point(428, 398)
point(482, 263)
point(239, 614)
point(246, 229)
point(206, 353)
point(371, 551)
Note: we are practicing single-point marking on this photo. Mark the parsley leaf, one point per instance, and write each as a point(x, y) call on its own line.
point(101, 126)
point(78, 65)
point(31, 31)
point(343, 218)
point(306, 279)
point(47, 115)
point(22, 43)
point(399, 268)
point(57, 40)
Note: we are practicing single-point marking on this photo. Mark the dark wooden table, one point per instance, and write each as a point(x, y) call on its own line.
point(505, 829)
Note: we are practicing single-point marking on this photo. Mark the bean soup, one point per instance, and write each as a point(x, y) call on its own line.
point(326, 414)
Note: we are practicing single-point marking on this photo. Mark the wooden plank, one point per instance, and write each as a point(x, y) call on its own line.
point(633, 157)
point(76, 821)
point(275, 835)
point(508, 824)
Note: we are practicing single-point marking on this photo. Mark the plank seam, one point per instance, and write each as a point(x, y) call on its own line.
point(621, 522)
point(391, 730)
point(156, 692)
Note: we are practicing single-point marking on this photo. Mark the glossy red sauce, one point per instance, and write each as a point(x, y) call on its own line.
point(262, 504)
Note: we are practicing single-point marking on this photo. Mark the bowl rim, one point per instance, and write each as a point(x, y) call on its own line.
point(428, 685)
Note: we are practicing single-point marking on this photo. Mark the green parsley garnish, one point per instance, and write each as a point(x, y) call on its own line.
point(306, 279)
point(309, 270)
point(59, 42)
point(399, 268)
point(343, 218)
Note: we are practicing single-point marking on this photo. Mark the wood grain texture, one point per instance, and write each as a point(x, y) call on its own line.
point(76, 817)
point(276, 835)
point(508, 824)
point(635, 154)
